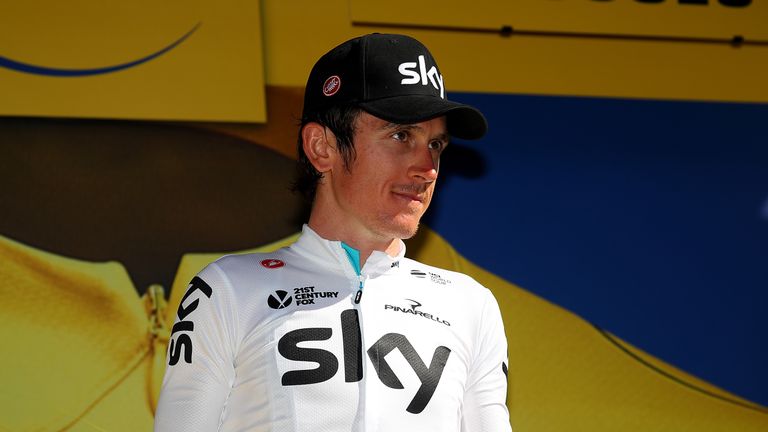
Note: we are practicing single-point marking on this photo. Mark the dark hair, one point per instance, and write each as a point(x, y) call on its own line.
point(341, 121)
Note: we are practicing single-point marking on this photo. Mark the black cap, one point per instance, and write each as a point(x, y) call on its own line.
point(393, 77)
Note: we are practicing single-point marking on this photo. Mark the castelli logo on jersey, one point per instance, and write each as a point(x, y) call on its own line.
point(332, 85)
point(272, 263)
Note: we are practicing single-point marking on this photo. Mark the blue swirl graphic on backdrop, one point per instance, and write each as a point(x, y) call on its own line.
point(59, 72)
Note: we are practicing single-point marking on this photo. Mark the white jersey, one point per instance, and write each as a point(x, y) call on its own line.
point(301, 339)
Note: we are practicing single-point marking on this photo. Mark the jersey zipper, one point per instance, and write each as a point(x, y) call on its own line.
point(359, 294)
point(363, 421)
point(353, 256)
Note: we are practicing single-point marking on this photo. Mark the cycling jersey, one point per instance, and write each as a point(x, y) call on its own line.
point(303, 339)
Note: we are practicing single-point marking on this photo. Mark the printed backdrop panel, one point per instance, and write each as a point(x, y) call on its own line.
point(644, 217)
point(174, 60)
point(722, 19)
point(549, 64)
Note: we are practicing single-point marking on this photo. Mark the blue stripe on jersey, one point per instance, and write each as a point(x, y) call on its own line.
point(353, 255)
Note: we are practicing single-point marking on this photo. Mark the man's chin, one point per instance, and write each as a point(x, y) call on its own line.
point(404, 230)
point(410, 233)
point(402, 226)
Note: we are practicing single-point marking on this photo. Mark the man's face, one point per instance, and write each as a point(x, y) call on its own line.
point(389, 184)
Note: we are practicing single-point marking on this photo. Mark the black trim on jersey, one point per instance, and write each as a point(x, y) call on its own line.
point(505, 369)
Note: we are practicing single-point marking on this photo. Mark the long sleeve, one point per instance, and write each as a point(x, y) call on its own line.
point(200, 370)
point(485, 407)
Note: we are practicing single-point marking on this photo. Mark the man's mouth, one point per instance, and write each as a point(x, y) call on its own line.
point(410, 196)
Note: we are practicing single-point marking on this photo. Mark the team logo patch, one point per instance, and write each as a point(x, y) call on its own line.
point(412, 309)
point(418, 273)
point(306, 295)
point(332, 85)
point(272, 263)
point(434, 277)
point(279, 299)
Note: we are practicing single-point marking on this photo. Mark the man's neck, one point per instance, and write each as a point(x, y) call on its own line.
point(359, 239)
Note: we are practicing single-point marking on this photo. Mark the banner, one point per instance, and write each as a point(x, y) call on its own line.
point(675, 19)
point(172, 60)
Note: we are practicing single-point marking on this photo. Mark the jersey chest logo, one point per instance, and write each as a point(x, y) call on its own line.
point(328, 363)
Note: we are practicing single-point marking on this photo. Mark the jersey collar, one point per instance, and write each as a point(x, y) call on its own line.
point(346, 256)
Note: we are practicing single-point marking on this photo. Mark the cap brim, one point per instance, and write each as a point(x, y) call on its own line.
point(463, 121)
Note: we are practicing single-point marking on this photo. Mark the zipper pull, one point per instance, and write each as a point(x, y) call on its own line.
point(359, 294)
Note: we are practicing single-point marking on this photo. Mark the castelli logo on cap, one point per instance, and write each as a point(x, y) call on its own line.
point(272, 263)
point(332, 85)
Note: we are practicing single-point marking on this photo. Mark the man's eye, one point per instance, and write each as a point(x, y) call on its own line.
point(436, 145)
point(400, 135)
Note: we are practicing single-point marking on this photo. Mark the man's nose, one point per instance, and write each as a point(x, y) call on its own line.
point(425, 166)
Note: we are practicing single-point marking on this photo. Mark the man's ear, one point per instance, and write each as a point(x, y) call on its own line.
point(319, 145)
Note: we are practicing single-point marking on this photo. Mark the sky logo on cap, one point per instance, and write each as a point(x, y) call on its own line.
point(332, 85)
point(422, 75)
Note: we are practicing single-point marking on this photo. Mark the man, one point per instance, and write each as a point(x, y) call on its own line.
point(340, 332)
